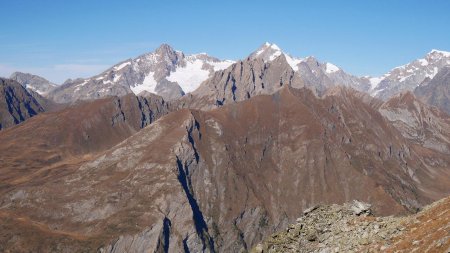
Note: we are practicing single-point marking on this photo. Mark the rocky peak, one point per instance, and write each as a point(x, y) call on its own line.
point(33, 82)
point(243, 80)
point(267, 52)
point(437, 54)
point(164, 49)
point(167, 53)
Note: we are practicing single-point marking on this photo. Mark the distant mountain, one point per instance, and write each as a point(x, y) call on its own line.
point(436, 91)
point(241, 81)
point(265, 71)
point(16, 103)
point(32, 82)
point(410, 76)
point(314, 74)
point(165, 72)
point(321, 76)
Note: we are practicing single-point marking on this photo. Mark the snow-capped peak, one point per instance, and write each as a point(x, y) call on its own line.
point(443, 53)
point(270, 51)
point(267, 52)
point(273, 46)
point(411, 75)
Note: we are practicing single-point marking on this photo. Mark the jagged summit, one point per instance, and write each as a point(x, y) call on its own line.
point(267, 52)
point(270, 51)
point(166, 50)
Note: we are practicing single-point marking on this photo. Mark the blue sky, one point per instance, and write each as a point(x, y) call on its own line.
point(62, 39)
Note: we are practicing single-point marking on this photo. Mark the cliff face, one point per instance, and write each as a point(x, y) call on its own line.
point(241, 81)
point(16, 104)
point(224, 179)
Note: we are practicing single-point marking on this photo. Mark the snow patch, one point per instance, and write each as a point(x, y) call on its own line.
point(221, 64)
point(190, 76)
point(149, 84)
point(121, 66)
point(423, 62)
point(293, 62)
point(34, 89)
point(433, 73)
point(275, 47)
point(272, 47)
point(83, 83)
point(374, 81)
point(274, 55)
point(117, 77)
point(403, 78)
point(331, 68)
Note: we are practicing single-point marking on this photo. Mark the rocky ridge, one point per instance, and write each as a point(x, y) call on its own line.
point(352, 228)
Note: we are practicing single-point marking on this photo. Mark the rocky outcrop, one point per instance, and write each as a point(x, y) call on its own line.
point(338, 228)
point(16, 104)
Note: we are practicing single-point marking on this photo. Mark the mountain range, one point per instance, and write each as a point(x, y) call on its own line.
point(172, 74)
point(170, 152)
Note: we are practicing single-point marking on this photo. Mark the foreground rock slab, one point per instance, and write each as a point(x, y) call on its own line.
point(338, 228)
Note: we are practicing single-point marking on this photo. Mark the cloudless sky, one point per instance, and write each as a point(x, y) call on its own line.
point(62, 39)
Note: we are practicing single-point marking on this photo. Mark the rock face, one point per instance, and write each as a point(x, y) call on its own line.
point(423, 124)
point(16, 104)
point(337, 228)
point(34, 83)
point(166, 72)
point(219, 180)
point(409, 76)
point(436, 92)
point(241, 81)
